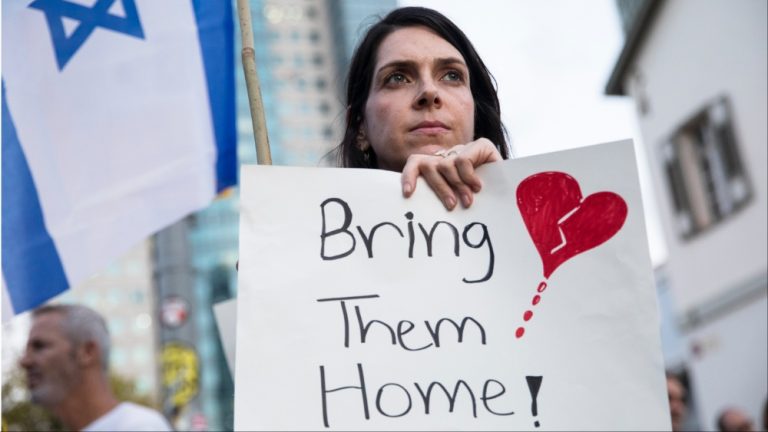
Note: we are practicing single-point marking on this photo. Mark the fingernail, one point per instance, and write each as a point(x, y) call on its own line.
point(450, 202)
point(466, 200)
point(406, 189)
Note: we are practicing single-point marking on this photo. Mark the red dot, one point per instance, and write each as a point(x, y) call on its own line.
point(536, 300)
point(542, 286)
point(519, 332)
point(527, 315)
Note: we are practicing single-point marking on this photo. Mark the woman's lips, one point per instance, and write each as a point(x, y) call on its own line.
point(430, 127)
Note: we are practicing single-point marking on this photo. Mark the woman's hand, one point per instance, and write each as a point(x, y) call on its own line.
point(450, 173)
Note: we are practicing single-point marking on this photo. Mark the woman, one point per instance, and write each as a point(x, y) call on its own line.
point(421, 101)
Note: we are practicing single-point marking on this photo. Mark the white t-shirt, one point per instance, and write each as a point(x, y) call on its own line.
point(127, 416)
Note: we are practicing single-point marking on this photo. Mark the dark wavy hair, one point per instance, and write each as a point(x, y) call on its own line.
point(488, 122)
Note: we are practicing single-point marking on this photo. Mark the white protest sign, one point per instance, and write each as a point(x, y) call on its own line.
point(535, 308)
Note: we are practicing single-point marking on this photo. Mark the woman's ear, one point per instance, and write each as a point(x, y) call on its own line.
point(362, 140)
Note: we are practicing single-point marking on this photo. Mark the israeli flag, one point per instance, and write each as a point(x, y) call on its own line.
point(118, 118)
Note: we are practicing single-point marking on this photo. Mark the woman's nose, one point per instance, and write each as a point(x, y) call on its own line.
point(428, 95)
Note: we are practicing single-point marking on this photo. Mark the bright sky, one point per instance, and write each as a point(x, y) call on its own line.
point(551, 59)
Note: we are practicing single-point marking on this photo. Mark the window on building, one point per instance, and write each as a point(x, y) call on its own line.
point(138, 296)
point(276, 59)
point(113, 297)
point(273, 35)
point(220, 286)
point(298, 61)
point(117, 357)
point(140, 355)
point(275, 14)
point(704, 171)
point(116, 326)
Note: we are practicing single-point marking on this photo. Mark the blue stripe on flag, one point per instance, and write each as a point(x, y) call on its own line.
point(31, 265)
point(216, 30)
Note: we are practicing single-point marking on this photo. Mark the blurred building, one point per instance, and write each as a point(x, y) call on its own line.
point(697, 72)
point(124, 295)
point(302, 51)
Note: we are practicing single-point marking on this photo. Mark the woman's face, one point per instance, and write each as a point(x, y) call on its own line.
point(419, 100)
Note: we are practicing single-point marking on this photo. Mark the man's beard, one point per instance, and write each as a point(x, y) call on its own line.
point(54, 388)
point(47, 395)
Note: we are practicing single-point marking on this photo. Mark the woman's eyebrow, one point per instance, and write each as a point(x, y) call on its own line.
point(397, 64)
point(438, 62)
point(445, 61)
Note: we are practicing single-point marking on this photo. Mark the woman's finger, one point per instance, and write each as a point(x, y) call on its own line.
point(411, 172)
point(448, 168)
point(476, 153)
point(481, 151)
point(466, 171)
point(426, 166)
point(451, 172)
point(438, 183)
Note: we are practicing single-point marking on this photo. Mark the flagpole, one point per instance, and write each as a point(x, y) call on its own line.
point(263, 154)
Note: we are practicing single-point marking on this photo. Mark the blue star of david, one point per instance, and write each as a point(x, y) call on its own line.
point(88, 19)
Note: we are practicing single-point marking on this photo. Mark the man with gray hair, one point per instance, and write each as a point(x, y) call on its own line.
point(66, 363)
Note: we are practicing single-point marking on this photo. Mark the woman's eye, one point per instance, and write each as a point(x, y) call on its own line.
point(396, 78)
point(452, 76)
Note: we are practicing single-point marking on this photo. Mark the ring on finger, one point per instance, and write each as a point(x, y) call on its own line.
point(452, 153)
point(446, 153)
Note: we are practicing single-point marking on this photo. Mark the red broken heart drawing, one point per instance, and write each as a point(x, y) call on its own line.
point(561, 223)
